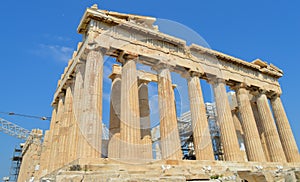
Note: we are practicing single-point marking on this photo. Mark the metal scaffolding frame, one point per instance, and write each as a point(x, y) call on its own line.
point(13, 129)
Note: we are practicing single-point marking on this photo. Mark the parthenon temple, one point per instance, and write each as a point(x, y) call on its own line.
point(79, 147)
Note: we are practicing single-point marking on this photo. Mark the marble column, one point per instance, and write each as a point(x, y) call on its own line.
point(91, 116)
point(260, 131)
point(170, 141)
point(72, 126)
point(51, 130)
point(201, 135)
point(64, 129)
point(227, 130)
point(269, 128)
point(284, 130)
point(252, 141)
point(54, 163)
point(145, 120)
point(239, 132)
point(115, 111)
point(130, 133)
point(45, 154)
point(78, 107)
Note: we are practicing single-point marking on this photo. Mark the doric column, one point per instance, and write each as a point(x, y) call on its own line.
point(170, 141)
point(72, 138)
point(78, 107)
point(54, 163)
point(260, 131)
point(130, 133)
point(145, 120)
point(144, 108)
point(115, 105)
point(269, 128)
point(252, 141)
point(115, 111)
point(227, 130)
point(92, 105)
point(239, 133)
point(45, 155)
point(64, 129)
point(201, 134)
point(284, 130)
point(51, 131)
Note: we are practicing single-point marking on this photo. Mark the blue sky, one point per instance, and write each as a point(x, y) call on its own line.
point(38, 38)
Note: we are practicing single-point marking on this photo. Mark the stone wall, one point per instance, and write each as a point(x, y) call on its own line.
point(31, 157)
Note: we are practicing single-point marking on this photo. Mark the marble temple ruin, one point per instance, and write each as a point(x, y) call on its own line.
point(73, 149)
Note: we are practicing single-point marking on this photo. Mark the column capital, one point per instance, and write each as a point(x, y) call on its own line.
point(160, 66)
point(195, 74)
point(274, 95)
point(262, 91)
point(94, 46)
point(70, 82)
point(258, 92)
point(190, 74)
point(78, 66)
point(116, 72)
point(61, 95)
point(79, 63)
point(55, 105)
point(126, 56)
point(214, 80)
point(143, 81)
point(239, 86)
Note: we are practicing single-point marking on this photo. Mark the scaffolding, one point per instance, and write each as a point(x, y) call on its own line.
point(16, 163)
point(186, 133)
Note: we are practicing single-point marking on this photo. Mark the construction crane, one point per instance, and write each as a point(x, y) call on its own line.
point(15, 130)
point(27, 116)
point(20, 133)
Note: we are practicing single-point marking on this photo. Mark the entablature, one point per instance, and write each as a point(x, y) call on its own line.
point(118, 33)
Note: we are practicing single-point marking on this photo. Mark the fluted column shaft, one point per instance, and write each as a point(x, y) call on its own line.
point(252, 141)
point(284, 130)
point(239, 133)
point(51, 133)
point(46, 147)
point(64, 129)
point(78, 109)
point(72, 129)
point(170, 141)
point(115, 111)
point(115, 106)
point(54, 163)
point(130, 133)
point(260, 131)
point(276, 153)
point(144, 109)
point(227, 129)
point(145, 120)
point(92, 108)
point(201, 135)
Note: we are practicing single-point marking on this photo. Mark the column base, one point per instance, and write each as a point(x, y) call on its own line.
point(91, 169)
